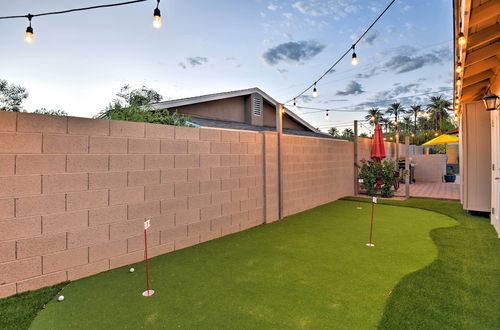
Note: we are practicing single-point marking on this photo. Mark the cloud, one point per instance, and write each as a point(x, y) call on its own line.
point(193, 61)
point(368, 39)
point(293, 51)
point(396, 91)
point(370, 73)
point(288, 16)
point(335, 8)
point(352, 88)
point(273, 7)
point(305, 98)
point(282, 71)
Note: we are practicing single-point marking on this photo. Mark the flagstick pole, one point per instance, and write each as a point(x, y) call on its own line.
point(148, 292)
point(371, 223)
point(146, 253)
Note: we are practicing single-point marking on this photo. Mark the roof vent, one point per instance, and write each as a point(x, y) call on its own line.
point(257, 106)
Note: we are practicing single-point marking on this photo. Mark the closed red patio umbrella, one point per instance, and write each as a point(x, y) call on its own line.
point(378, 148)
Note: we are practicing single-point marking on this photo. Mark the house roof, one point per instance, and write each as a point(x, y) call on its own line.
point(224, 95)
point(479, 20)
point(242, 126)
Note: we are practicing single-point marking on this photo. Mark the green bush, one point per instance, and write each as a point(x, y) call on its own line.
point(144, 114)
point(378, 177)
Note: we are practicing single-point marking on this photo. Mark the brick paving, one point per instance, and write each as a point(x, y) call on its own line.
point(433, 190)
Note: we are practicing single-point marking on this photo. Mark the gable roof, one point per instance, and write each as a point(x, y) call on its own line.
point(226, 95)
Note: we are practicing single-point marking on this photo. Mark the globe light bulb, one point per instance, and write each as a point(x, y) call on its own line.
point(373, 118)
point(326, 116)
point(354, 59)
point(457, 100)
point(28, 36)
point(315, 91)
point(294, 105)
point(461, 39)
point(459, 82)
point(157, 18)
point(459, 68)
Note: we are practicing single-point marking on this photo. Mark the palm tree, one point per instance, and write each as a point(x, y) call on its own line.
point(348, 134)
point(438, 109)
point(373, 116)
point(407, 124)
point(415, 110)
point(386, 123)
point(334, 131)
point(395, 109)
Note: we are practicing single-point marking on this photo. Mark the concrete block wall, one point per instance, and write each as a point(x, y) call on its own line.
point(365, 149)
point(74, 192)
point(429, 168)
point(315, 171)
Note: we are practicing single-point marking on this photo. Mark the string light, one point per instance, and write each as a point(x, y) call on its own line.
point(294, 105)
point(354, 58)
point(456, 106)
point(459, 82)
point(157, 16)
point(28, 36)
point(436, 134)
point(330, 69)
point(459, 67)
point(315, 91)
point(373, 118)
point(457, 100)
point(461, 39)
point(326, 116)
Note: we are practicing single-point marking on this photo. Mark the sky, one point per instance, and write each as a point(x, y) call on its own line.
point(79, 61)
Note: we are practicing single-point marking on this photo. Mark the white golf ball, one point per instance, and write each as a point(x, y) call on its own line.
point(132, 270)
point(60, 298)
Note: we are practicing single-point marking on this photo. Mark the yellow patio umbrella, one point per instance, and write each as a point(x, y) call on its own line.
point(442, 139)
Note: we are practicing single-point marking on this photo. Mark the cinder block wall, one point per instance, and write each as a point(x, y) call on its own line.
point(365, 149)
point(74, 192)
point(315, 171)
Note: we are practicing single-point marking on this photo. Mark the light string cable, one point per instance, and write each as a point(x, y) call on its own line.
point(73, 10)
point(313, 85)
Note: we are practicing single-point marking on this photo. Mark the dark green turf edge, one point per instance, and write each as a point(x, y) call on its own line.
point(18, 311)
point(460, 289)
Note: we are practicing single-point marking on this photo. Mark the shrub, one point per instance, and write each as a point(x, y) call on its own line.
point(378, 177)
point(144, 114)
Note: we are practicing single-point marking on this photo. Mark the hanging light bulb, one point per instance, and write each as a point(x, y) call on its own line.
point(456, 106)
point(457, 100)
point(459, 68)
point(459, 82)
point(461, 39)
point(315, 91)
point(157, 16)
point(326, 116)
point(373, 118)
point(354, 59)
point(28, 36)
point(294, 105)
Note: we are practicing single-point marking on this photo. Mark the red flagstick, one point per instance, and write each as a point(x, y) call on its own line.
point(374, 201)
point(148, 292)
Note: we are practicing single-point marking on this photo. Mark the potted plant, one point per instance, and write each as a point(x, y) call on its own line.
point(450, 176)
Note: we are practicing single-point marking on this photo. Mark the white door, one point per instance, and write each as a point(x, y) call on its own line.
point(495, 174)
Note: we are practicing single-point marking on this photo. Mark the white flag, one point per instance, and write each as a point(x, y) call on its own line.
point(147, 224)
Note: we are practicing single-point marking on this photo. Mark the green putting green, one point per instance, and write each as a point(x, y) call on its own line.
point(311, 270)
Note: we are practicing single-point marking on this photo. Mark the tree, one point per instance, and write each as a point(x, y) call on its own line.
point(415, 111)
point(11, 96)
point(438, 109)
point(51, 112)
point(333, 131)
point(407, 124)
point(373, 116)
point(395, 109)
point(386, 124)
point(348, 134)
point(139, 96)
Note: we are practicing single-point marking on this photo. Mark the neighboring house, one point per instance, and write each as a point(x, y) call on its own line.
point(479, 74)
point(247, 109)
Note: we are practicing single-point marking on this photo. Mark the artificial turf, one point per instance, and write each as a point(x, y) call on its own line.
point(18, 311)
point(311, 270)
point(461, 288)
